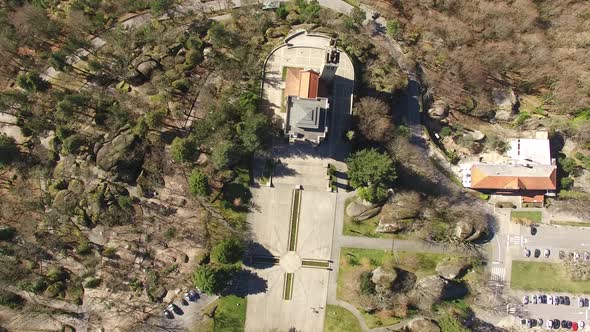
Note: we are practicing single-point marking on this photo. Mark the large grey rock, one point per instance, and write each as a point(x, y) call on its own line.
point(452, 268)
point(110, 153)
point(147, 67)
point(439, 110)
point(360, 210)
point(428, 291)
point(505, 102)
point(383, 276)
point(467, 231)
point(422, 325)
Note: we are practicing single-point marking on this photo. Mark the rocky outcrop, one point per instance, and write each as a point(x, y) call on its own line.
point(467, 231)
point(452, 268)
point(122, 156)
point(360, 210)
point(422, 325)
point(506, 104)
point(383, 279)
point(399, 213)
point(439, 111)
point(428, 291)
point(147, 67)
point(110, 153)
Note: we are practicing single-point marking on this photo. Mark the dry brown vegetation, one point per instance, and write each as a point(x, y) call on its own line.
point(468, 48)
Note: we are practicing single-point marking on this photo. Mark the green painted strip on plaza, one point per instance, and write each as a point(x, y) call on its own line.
point(294, 220)
point(265, 259)
point(313, 263)
point(288, 292)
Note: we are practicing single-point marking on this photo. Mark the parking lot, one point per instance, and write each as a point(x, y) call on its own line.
point(551, 244)
point(572, 312)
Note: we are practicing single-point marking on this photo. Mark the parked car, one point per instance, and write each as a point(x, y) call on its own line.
point(527, 252)
point(574, 326)
point(564, 324)
point(581, 324)
point(540, 322)
point(580, 302)
point(555, 299)
point(533, 230)
point(561, 300)
point(174, 308)
point(550, 299)
point(556, 324)
point(534, 299)
point(168, 314)
point(543, 298)
point(549, 324)
point(537, 253)
point(546, 253)
point(586, 256)
point(523, 322)
point(187, 296)
point(576, 255)
point(586, 302)
point(529, 323)
point(566, 300)
point(525, 299)
point(194, 294)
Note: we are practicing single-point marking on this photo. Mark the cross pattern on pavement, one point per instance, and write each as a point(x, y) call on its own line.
point(290, 261)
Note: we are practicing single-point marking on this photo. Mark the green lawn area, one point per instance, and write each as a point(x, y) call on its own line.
point(570, 223)
point(533, 216)
point(339, 319)
point(230, 315)
point(353, 262)
point(545, 277)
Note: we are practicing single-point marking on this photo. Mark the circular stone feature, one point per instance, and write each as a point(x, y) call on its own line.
point(290, 262)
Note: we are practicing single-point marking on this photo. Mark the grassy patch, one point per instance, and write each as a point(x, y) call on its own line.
point(527, 217)
point(294, 220)
point(353, 262)
point(288, 292)
point(571, 223)
point(339, 319)
point(230, 314)
point(545, 277)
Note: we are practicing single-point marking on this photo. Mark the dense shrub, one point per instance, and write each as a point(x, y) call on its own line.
point(228, 251)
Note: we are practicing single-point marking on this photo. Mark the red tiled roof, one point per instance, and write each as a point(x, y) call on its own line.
point(481, 178)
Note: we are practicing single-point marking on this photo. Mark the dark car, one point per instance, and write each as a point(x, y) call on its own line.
point(569, 324)
point(556, 324)
point(534, 322)
point(168, 314)
point(561, 300)
point(543, 298)
point(523, 322)
point(537, 253)
point(533, 230)
point(540, 321)
point(586, 302)
point(567, 300)
point(564, 324)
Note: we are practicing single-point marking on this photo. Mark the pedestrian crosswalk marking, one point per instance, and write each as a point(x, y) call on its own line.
point(497, 273)
point(516, 239)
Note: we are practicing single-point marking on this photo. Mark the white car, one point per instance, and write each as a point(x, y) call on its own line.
point(576, 256)
point(549, 299)
point(525, 299)
point(581, 324)
point(534, 299)
point(549, 324)
point(546, 253)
